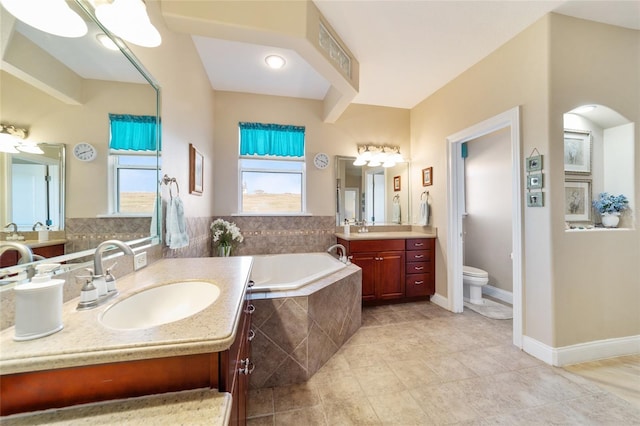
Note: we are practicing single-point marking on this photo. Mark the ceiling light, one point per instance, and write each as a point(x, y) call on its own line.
point(105, 41)
point(128, 20)
point(584, 109)
point(274, 61)
point(376, 155)
point(51, 16)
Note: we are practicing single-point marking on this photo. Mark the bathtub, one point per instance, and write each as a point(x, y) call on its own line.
point(287, 272)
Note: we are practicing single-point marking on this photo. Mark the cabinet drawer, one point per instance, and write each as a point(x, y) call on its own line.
point(420, 256)
point(418, 285)
point(420, 244)
point(417, 267)
point(375, 245)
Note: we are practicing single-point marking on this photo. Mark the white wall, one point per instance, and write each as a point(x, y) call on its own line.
point(487, 226)
point(618, 153)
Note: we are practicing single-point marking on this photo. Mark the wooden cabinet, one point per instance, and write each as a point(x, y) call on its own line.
point(420, 269)
point(394, 269)
point(10, 257)
point(383, 267)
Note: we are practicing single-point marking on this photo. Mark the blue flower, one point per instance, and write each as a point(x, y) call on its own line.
point(608, 203)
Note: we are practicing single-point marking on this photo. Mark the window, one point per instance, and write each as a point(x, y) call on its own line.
point(133, 163)
point(272, 169)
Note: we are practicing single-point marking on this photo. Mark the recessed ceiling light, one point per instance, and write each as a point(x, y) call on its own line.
point(583, 109)
point(107, 42)
point(274, 61)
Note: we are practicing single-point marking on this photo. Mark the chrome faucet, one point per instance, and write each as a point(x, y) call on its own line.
point(12, 224)
point(26, 255)
point(104, 246)
point(35, 225)
point(342, 253)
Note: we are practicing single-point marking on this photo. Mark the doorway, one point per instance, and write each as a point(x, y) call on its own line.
point(455, 187)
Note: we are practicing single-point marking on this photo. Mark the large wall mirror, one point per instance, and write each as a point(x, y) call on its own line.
point(62, 90)
point(378, 195)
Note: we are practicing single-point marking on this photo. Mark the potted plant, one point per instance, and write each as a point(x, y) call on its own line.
point(224, 236)
point(610, 206)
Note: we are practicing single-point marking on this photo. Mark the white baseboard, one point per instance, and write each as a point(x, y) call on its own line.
point(441, 301)
point(581, 352)
point(498, 293)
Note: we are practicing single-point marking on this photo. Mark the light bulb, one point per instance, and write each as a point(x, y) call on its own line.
point(274, 61)
point(51, 16)
point(128, 20)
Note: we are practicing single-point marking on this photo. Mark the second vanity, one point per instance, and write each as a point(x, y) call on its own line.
point(88, 362)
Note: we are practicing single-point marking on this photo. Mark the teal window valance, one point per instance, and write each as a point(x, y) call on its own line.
point(133, 132)
point(271, 139)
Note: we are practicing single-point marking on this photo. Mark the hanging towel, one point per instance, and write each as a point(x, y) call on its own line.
point(396, 213)
point(424, 212)
point(177, 236)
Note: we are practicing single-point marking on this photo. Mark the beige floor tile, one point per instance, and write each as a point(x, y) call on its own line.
point(342, 387)
point(415, 373)
point(260, 402)
point(398, 408)
point(443, 404)
point(355, 410)
point(311, 416)
point(295, 396)
point(378, 380)
point(449, 368)
point(262, 421)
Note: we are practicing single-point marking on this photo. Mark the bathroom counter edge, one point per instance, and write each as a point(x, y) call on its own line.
point(392, 235)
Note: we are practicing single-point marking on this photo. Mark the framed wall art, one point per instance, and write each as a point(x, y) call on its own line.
point(577, 194)
point(196, 171)
point(396, 183)
point(535, 181)
point(427, 176)
point(535, 199)
point(534, 163)
point(577, 152)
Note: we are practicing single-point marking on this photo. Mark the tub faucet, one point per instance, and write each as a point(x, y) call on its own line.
point(342, 253)
point(104, 246)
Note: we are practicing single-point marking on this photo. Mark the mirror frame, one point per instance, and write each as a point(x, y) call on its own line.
point(135, 244)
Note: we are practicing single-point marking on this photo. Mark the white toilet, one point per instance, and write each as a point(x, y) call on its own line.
point(473, 279)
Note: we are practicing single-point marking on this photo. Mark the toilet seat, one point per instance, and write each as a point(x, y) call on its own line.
point(470, 271)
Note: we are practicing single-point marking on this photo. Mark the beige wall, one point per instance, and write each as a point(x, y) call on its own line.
point(186, 110)
point(359, 123)
point(50, 120)
point(487, 226)
point(515, 74)
point(596, 275)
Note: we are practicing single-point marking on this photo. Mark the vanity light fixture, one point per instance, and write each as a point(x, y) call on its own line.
point(12, 140)
point(106, 42)
point(51, 16)
point(128, 19)
point(275, 61)
point(376, 155)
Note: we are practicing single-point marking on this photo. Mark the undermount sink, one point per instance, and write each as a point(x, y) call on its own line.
point(160, 305)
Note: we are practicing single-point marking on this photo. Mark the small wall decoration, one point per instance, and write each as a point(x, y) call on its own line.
point(534, 163)
point(577, 203)
point(577, 151)
point(196, 171)
point(535, 199)
point(534, 181)
point(396, 183)
point(427, 176)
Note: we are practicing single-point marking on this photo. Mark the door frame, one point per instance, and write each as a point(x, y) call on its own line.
point(455, 188)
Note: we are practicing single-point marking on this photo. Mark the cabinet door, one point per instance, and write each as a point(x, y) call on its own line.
point(390, 275)
point(368, 263)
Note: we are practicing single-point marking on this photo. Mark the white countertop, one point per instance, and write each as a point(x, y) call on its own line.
point(391, 235)
point(85, 341)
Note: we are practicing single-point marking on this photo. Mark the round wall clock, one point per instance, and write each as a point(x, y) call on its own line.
point(321, 160)
point(85, 152)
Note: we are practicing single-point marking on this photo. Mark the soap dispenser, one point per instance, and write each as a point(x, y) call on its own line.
point(39, 305)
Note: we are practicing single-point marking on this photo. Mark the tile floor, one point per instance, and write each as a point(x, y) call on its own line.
point(418, 364)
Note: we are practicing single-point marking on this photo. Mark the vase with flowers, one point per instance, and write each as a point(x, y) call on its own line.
point(224, 236)
point(610, 206)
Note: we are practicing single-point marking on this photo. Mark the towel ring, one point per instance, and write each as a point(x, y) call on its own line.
point(425, 194)
point(396, 199)
point(166, 180)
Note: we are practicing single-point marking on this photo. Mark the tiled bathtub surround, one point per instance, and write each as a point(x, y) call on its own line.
point(87, 233)
point(297, 335)
point(283, 234)
point(199, 239)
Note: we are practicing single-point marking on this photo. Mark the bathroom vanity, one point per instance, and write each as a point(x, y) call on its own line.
point(88, 362)
point(396, 266)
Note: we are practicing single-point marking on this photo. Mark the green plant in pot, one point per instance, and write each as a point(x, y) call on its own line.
point(610, 207)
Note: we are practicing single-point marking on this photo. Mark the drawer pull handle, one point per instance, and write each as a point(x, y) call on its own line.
point(418, 244)
point(419, 282)
point(252, 335)
point(419, 256)
point(248, 366)
point(419, 268)
point(250, 309)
